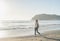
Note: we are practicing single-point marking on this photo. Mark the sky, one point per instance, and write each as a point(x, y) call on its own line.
point(26, 9)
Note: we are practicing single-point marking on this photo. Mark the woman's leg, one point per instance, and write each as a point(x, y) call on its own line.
point(38, 31)
point(35, 31)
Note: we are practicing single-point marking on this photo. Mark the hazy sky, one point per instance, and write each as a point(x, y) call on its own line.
point(26, 9)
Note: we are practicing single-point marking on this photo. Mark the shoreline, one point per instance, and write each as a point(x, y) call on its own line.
point(33, 38)
point(44, 33)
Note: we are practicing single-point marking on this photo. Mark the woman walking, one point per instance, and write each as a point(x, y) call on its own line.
point(36, 26)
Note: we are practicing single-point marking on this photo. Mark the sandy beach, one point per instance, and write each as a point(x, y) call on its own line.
point(32, 38)
point(26, 38)
point(29, 38)
point(46, 37)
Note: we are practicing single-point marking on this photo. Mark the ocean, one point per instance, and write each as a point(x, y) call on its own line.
point(26, 28)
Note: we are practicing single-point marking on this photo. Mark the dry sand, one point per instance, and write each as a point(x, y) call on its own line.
point(33, 38)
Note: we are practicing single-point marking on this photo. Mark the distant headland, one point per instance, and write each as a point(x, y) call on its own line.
point(46, 17)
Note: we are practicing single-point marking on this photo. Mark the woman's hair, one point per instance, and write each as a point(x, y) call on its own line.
point(36, 20)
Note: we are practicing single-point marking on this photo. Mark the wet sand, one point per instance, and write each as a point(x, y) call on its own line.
point(29, 38)
point(43, 37)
